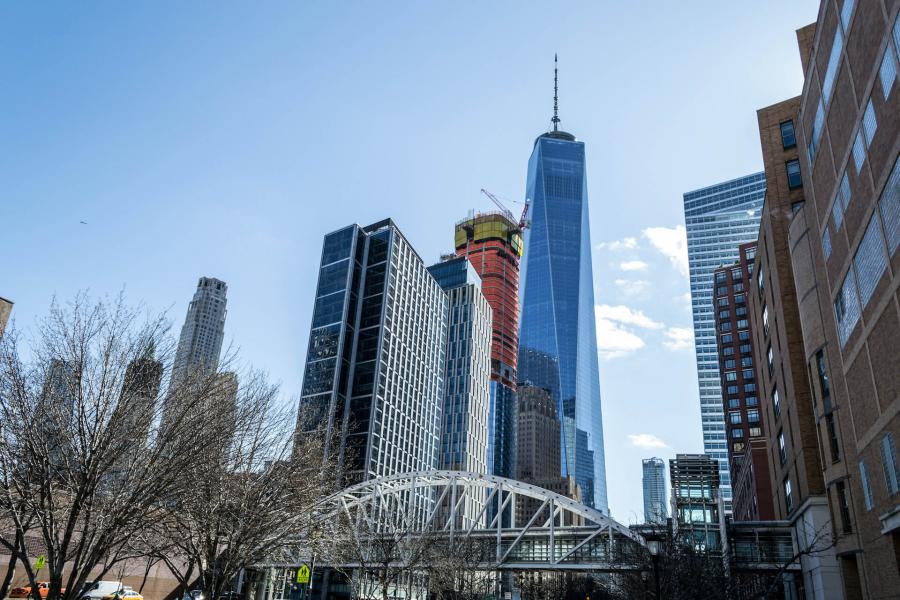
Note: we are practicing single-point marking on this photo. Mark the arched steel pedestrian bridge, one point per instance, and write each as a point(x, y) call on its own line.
point(478, 512)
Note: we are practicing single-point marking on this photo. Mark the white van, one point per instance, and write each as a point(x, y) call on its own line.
point(100, 589)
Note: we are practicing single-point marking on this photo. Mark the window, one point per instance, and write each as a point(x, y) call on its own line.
point(846, 307)
point(788, 139)
point(721, 291)
point(837, 210)
point(724, 314)
point(869, 261)
point(744, 336)
point(726, 326)
point(723, 301)
point(739, 299)
point(735, 418)
point(732, 389)
point(751, 401)
point(818, 123)
point(747, 361)
point(859, 151)
point(734, 403)
point(760, 283)
point(869, 123)
point(736, 274)
point(737, 447)
point(765, 317)
point(737, 433)
point(889, 463)
point(748, 373)
point(740, 311)
point(727, 339)
point(832, 438)
point(826, 243)
point(889, 203)
point(720, 277)
point(782, 451)
point(822, 368)
point(731, 376)
point(844, 191)
point(834, 60)
point(788, 495)
point(887, 73)
point(755, 431)
point(753, 416)
point(739, 287)
point(729, 351)
point(746, 348)
point(770, 359)
point(776, 403)
point(846, 13)
point(844, 506)
point(867, 490)
point(729, 364)
point(750, 253)
point(743, 324)
point(793, 174)
point(749, 387)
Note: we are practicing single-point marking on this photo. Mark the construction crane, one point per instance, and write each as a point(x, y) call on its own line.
point(523, 221)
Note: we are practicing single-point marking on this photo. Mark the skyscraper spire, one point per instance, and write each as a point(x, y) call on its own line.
point(555, 118)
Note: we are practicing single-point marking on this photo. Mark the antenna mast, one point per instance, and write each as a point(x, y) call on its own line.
point(555, 118)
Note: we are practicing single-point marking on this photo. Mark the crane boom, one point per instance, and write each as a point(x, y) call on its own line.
point(523, 221)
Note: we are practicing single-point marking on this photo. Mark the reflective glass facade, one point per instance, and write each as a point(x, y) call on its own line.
point(718, 219)
point(557, 336)
point(654, 481)
point(376, 360)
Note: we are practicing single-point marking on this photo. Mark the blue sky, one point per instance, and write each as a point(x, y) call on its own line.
point(225, 139)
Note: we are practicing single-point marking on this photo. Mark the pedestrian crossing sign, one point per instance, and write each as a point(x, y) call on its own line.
point(303, 574)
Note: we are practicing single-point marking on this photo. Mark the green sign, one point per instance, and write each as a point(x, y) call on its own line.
point(303, 574)
point(40, 562)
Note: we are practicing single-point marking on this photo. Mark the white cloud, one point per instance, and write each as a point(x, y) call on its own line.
point(628, 243)
point(628, 316)
point(614, 341)
point(633, 265)
point(646, 440)
point(632, 287)
point(614, 338)
point(680, 338)
point(672, 243)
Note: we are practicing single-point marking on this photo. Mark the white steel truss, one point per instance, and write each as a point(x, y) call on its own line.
point(560, 534)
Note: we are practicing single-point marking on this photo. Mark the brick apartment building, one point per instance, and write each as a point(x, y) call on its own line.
point(824, 300)
point(744, 430)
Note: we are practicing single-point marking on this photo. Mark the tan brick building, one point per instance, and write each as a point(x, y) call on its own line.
point(5, 309)
point(827, 285)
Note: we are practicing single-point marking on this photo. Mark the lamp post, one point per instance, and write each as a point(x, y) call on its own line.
point(653, 546)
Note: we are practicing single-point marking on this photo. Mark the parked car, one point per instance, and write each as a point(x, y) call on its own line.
point(126, 593)
point(193, 595)
point(25, 590)
point(101, 590)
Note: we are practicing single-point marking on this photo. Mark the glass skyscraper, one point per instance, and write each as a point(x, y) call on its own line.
point(718, 219)
point(654, 481)
point(375, 365)
point(558, 336)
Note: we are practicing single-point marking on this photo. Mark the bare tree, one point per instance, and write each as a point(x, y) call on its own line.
point(85, 463)
point(252, 493)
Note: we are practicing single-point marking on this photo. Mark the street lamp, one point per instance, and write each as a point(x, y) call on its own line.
point(653, 546)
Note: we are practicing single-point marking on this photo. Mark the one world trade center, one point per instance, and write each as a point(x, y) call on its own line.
point(558, 336)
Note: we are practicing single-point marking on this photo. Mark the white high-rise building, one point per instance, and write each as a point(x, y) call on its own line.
point(204, 329)
point(718, 219)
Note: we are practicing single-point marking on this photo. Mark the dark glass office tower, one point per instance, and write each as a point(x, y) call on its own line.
point(374, 377)
point(557, 337)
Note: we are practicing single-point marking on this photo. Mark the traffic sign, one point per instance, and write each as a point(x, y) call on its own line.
point(303, 574)
point(40, 562)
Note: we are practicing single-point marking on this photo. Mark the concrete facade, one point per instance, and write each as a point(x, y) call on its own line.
point(5, 309)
